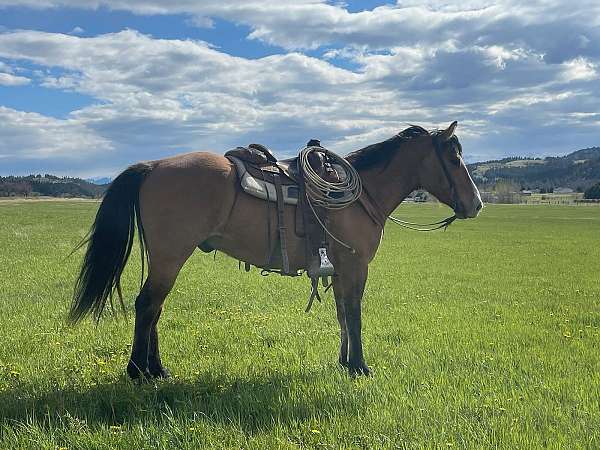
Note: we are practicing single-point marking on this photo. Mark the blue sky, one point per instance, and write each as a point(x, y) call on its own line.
point(89, 86)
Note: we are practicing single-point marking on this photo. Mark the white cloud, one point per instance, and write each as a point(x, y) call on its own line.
point(201, 22)
point(527, 100)
point(31, 135)
point(6, 79)
point(77, 30)
point(300, 24)
point(579, 69)
point(171, 95)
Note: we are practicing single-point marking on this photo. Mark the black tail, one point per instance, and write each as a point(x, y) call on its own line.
point(109, 243)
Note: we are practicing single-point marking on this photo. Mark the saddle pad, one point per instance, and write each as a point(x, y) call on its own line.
point(263, 189)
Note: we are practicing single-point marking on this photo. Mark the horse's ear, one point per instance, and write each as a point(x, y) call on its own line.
point(448, 132)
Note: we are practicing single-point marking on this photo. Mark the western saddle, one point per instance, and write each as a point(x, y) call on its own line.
point(263, 176)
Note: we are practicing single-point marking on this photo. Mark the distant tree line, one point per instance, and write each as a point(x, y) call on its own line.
point(50, 186)
point(578, 170)
point(593, 192)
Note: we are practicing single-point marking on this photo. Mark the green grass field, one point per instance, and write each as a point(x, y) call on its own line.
point(484, 336)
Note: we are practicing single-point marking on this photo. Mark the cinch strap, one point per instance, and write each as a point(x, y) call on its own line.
point(285, 262)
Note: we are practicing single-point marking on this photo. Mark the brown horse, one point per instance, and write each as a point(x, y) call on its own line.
point(181, 202)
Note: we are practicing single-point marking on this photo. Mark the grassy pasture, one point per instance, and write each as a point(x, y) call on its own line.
point(485, 336)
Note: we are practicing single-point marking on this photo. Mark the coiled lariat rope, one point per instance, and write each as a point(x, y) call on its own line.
point(326, 194)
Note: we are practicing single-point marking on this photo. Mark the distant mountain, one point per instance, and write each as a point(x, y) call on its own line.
point(99, 180)
point(49, 185)
point(578, 170)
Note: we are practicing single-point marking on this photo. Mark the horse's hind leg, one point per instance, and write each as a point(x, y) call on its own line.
point(155, 366)
point(148, 305)
point(182, 202)
point(145, 359)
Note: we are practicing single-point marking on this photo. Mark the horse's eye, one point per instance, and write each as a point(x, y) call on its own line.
point(455, 159)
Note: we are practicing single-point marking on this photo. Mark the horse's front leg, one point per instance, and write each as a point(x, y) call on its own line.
point(341, 317)
point(349, 286)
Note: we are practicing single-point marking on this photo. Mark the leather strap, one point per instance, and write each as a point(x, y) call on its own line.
point(285, 262)
point(372, 208)
point(269, 257)
point(314, 293)
point(439, 150)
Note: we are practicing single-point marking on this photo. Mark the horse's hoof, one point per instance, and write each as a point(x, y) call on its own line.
point(359, 370)
point(137, 374)
point(160, 372)
point(343, 362)
point(142, 378)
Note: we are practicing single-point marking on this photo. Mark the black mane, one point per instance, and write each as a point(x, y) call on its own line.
point(382, 152)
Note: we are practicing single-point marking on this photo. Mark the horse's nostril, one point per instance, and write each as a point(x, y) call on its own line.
point(479, 206)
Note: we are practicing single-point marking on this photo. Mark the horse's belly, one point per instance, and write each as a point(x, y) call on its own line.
point(252, 233)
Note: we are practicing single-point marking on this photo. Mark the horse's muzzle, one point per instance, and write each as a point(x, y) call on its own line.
point(471, 213)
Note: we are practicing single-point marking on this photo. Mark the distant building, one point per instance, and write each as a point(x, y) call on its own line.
point(488, 197)
point(563, 190)
point(418, 196)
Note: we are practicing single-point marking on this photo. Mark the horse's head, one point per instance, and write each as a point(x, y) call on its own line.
point(445, 175)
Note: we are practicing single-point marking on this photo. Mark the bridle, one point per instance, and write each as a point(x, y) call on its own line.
point(444, 223)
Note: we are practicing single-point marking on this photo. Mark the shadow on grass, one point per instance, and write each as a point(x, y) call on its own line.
point(251, 403)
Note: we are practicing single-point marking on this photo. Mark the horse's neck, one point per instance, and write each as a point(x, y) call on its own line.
point(390, 186)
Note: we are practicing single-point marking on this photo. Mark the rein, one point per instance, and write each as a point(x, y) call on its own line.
point(444, 223)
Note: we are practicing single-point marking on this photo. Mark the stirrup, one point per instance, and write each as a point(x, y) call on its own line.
point(324, 268)
point(321, 268)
